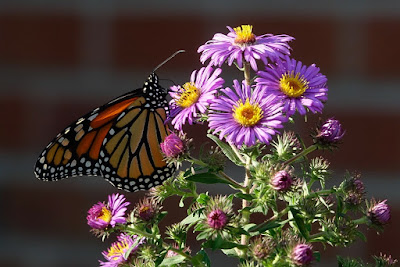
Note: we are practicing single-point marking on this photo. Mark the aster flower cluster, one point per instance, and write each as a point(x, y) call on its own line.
point(282, 182)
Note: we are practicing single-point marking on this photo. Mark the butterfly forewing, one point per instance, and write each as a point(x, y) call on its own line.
point(119, 141)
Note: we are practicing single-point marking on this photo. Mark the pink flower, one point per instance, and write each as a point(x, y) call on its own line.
point(217, 219)
point(302, 254)
point(172, 146)
point(282, 181)
point(379, 213)
point(101, 215)
point(117, 253)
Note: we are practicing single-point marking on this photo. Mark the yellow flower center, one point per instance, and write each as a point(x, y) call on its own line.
point(117, 249)
point(189, 95)
point(247, 114)
point(144, 209)
point(244, 35)
point(105, 215)
point(293, 85)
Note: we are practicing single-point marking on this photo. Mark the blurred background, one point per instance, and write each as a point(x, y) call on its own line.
point(60, 59)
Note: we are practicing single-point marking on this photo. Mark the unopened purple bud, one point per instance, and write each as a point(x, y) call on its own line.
point(386, 259)
point(331, 131)
point(282, 181)
point(172, 146)
point(217, 219)
point(379, 213)
point(358, 186)
point(302, 254)
point(354, 199)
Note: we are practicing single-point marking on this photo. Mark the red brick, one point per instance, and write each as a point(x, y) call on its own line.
point(370, 143)
point(144, 42)
point(315, 37)
point(13, 110)
point(40, 39)
point(383, 54)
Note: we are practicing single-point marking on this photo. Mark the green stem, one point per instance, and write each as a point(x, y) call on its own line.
point(197, 161)
point(231, 181)
point(361, 220)
point(245, 203)
point(303, 153)
point(234, 148)
point(223, 174)
point(273, 218)
point(321, 192)
point(246, 70)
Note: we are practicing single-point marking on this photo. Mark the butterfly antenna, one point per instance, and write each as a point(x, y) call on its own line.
point(168, 59)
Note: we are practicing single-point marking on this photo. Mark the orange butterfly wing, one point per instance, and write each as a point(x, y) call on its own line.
point(119, 141)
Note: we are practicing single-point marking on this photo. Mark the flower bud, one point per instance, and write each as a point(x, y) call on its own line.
point(330, 132)
point(282, 181)
point(217, 219)
point(147, 209)
point(353, 199)
point(261, 247)
point(385, 260)
point(302, 254)
point(379, 213)
point(173, 146)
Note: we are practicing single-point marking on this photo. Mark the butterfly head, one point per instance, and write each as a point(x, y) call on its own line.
point(154, 93)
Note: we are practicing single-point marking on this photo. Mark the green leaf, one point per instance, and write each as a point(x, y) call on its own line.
point(172, 260)
point(299, 222)
point(181, 202)
point(361, 236)
point(203, 198)
point(203, 235)
point(161, 215)
point(247, 227)
point(192, 218)
point(237, 231)
point(226, 149)
point(244, 196)
point(230, 252)
point(220, 243)
point(261, 228)
point(339, 204)
point(207, 178)
point(317, 256)
point(305, 189)
point(201, 257)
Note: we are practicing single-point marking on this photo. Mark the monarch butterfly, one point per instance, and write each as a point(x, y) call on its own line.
point(119, 141)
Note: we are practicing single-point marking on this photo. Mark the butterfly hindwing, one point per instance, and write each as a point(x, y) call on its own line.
point(119, 141)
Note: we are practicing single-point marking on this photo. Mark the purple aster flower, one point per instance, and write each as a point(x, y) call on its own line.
point(379, 213)
point(241, 43)
point(302, 254)
point(282, 181)
point(116, 254)
point(299, 86)
point(330, 132)
point(172, 146)
point(100, 216)
point(244, 116)
point(217, 219)
point(194, 97)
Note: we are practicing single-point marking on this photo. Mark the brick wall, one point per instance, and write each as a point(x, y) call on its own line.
point(59, 59)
